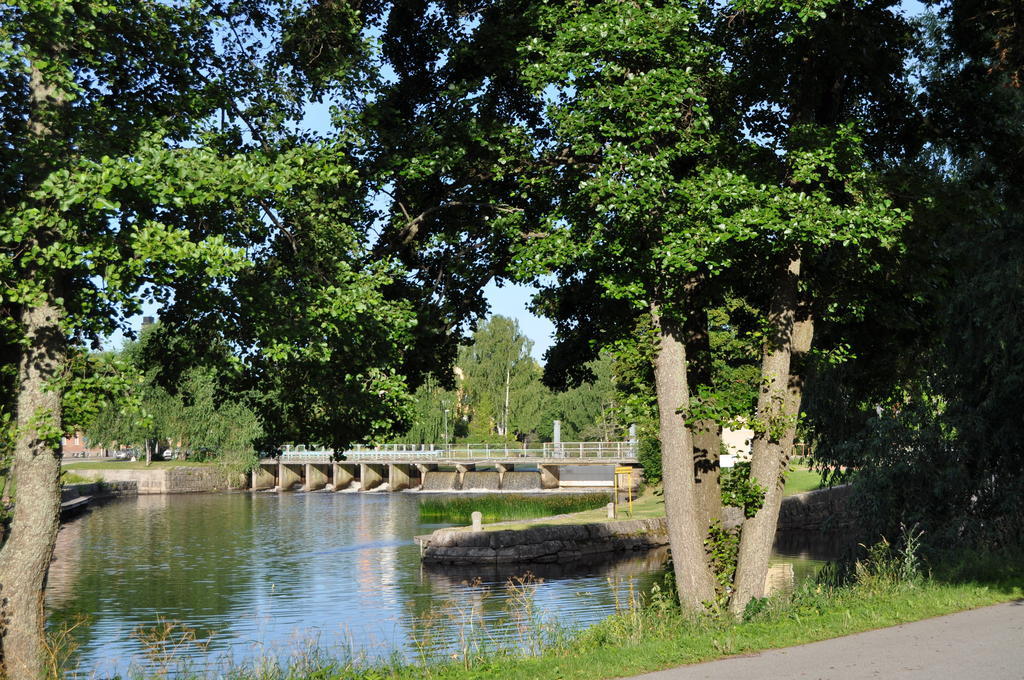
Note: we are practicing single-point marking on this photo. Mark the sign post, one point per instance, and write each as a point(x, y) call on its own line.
point(625, 470)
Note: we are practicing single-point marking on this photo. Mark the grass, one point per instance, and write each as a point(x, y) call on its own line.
point(801, 479)
point(499, 507)
point(132, 465)
point(65, 478)
point(651, 503)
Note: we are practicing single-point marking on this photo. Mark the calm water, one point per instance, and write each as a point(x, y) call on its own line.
point(261, 575)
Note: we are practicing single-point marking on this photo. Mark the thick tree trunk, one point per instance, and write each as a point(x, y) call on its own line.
point(686, 530)
point(26, 555)
point(706, 434)
point(778, 406)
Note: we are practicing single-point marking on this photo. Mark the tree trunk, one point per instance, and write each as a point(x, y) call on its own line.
point(26, 555)
point(778, 406)
point(706, 434)
point(508, 383)
point(686, 530)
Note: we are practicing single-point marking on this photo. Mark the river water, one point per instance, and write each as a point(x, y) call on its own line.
point(265, 576)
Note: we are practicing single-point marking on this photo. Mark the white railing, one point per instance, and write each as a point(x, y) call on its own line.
point(410, 452)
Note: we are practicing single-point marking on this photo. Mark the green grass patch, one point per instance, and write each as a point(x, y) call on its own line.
point(500, 507)
point(67, 477)
point(133, 465)
point(799, 480)
point(650, 504)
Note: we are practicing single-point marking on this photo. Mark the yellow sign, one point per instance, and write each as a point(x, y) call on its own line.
point(625, 470)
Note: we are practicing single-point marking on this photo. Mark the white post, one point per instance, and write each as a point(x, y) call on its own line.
point(611, 511)
point(478, 521)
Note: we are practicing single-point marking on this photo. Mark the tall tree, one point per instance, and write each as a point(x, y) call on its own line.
point(933, 427)
point(151, 153)
point(501, 379)
point(664, 204)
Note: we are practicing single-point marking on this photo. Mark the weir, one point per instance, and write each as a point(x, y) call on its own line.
point(520, 481)
point(440, 481)
point(484, 480)
point(479, 467)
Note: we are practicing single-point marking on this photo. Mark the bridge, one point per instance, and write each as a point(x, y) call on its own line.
point(396, 467)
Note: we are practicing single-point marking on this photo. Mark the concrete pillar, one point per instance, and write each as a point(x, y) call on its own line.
point(263, 478)
point(316, 477)
point(287, 477)
point(371, 474)
point(343, 475)
point(550, 476)
point(462, 469)
point(424, 468)
point(611, 511)
point(478, 520)
point(502, 469)
point(399, 476)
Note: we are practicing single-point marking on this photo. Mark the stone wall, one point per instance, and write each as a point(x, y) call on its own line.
point(169, 480)
point(561, 543)
point(98, 490)
point(823, 509)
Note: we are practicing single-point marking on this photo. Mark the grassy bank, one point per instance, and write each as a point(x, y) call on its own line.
point(651, 635)
point(650, 503)
point(133, 465)
point(800, 480)
point(500, 507)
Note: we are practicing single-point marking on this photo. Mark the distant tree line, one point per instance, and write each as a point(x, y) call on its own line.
point(497, 395)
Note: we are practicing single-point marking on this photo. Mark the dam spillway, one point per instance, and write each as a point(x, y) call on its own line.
point(481, 480)
point(513, 480)
point(440, 481)
point(483, 468)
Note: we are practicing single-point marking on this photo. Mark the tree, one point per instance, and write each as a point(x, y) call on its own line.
point(194, 415)
point(502, 390)
point(124, 180)
point(933, 428)
point(663, 206)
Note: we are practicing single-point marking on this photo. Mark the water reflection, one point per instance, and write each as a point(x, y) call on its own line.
point(268, 571)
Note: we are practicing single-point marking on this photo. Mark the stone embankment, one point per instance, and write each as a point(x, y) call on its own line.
point(825, 509)
point(561, 543)
point(98, 490)
point(177, 479)
point(75, 498)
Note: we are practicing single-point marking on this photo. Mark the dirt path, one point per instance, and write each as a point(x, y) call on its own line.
point(982, 644)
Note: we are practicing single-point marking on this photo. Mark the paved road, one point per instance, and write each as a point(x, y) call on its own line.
point(983, 644)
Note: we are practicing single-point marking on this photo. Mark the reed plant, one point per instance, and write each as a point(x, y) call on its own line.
point(499, 507)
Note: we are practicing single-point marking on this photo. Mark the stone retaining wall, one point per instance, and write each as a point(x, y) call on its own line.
point(98, 490)
point(824, 509)
point(559, 543)
point(178, 479)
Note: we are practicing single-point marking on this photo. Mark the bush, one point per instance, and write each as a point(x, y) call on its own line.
point(649, 454)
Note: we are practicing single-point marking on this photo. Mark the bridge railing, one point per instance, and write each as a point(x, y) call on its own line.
point(552, 450)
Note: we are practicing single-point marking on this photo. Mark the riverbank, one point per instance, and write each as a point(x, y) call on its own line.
point(654, 635)
point(581, 535)
point(164, 477)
